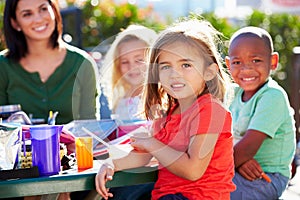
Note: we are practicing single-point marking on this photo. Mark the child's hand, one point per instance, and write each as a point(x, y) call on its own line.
point(104, 174)
point(251, 170)
point(140, 141)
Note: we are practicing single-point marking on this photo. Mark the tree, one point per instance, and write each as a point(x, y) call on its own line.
point(107, 18)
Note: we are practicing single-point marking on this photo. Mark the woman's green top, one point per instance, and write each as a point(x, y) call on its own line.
point(71, 89)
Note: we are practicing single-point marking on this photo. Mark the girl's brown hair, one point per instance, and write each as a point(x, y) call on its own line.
point(198, 35)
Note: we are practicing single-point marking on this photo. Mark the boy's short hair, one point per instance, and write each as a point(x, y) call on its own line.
point(254, 32)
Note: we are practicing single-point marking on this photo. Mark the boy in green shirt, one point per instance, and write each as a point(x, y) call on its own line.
point(263, 123)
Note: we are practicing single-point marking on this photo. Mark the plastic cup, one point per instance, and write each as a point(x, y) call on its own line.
point(45, 148)
point(84, 152)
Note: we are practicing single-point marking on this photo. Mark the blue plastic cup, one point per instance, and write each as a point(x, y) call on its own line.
point(45, 148)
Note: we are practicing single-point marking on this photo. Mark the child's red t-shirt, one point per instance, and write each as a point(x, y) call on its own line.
point(205, 116)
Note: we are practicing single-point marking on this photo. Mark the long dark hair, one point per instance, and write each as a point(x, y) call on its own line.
point(15, 40)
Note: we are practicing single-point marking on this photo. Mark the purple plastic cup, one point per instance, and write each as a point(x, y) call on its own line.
point(45, 148)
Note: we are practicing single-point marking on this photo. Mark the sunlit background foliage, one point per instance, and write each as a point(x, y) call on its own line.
point(100, 20)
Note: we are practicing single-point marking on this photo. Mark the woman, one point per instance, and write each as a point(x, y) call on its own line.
point(39, 70)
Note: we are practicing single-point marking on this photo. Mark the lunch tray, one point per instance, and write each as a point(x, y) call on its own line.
point(19, 173)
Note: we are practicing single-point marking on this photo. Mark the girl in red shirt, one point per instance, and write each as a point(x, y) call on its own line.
point(191, 135)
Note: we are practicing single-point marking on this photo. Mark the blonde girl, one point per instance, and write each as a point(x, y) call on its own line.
point(124, 71)
point(191, 136)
